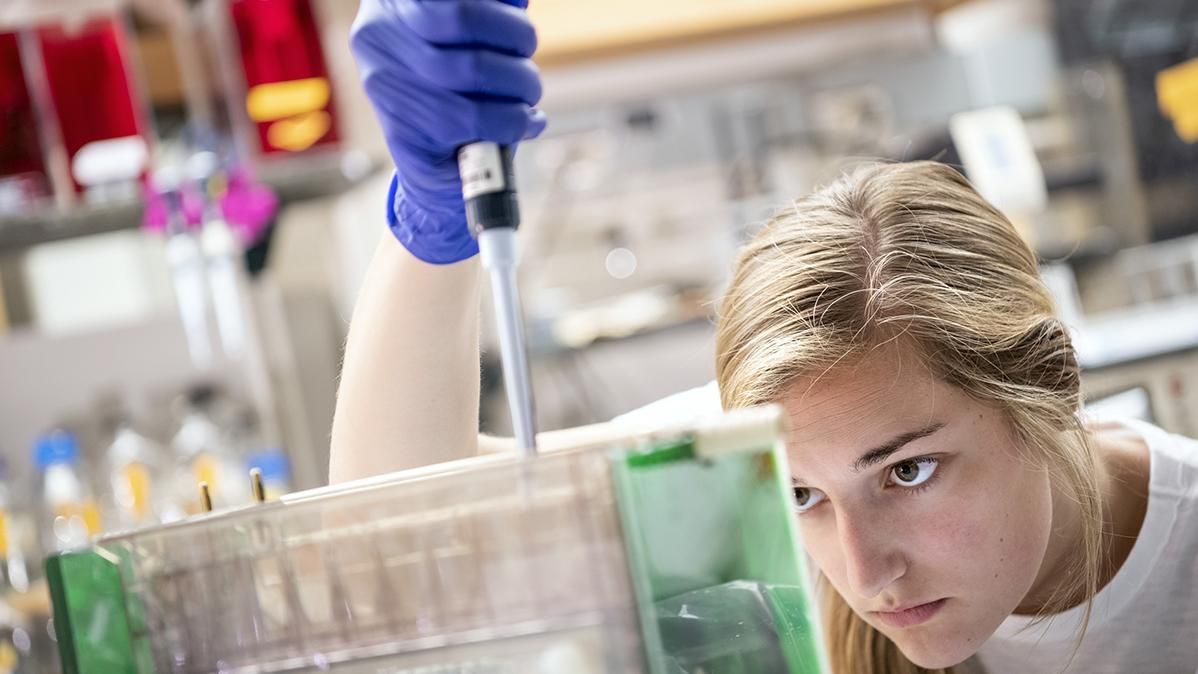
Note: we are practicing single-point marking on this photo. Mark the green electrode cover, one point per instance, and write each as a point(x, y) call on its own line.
point(715, 562)
point(90, 620)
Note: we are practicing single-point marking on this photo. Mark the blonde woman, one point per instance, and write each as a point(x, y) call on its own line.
point(960, 510)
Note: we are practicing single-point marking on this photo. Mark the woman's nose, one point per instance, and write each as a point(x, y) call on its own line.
point(873, 556)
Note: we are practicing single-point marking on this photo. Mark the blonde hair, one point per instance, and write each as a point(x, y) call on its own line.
point(912, 252)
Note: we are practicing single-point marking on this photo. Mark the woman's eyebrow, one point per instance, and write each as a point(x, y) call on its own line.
point(881, 452)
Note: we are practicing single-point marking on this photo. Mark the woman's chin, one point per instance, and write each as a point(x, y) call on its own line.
point(935, 655)
point(936, 661)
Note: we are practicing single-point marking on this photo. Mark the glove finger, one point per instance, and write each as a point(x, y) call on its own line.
point(432, 118)
point(479, 72)
point(502, 122)
point(537, 121)
point(471, 22)
point(466, 71)
point(519, 4)
point(381, 45)
point(440, 121)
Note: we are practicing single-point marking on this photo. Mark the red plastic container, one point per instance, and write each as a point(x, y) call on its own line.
point(22, 156)
point(288, 94)
point(88, 82)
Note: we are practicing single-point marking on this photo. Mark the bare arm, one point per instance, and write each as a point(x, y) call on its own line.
point(410, 380)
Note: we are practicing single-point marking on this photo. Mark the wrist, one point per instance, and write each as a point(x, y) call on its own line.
point(433, 235)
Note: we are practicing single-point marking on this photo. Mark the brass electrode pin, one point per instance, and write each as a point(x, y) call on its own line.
point(258, 487)
point(205, 498)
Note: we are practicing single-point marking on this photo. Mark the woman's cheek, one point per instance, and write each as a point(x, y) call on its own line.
point(982, 540)
point(821, 545)
point(956, 529)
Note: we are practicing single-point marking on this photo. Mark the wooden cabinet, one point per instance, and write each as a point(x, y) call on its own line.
point(574, 30)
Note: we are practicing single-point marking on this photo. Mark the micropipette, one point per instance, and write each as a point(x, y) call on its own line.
point(489, 190)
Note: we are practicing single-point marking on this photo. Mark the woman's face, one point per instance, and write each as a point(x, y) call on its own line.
point(915, 502)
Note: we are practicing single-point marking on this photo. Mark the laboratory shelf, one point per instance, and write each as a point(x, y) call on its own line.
point(321, 177)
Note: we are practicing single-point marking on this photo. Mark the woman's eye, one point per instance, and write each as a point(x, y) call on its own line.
point(913, 472)
point(806, 498)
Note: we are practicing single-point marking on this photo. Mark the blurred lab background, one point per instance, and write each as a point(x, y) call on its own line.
point(190, 191)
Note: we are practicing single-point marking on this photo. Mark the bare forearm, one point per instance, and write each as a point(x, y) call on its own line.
point(410, 380)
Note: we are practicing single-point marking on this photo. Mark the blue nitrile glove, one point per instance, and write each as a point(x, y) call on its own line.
point(443, 73)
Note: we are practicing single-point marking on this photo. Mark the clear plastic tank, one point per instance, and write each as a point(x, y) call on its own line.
point(624, 558)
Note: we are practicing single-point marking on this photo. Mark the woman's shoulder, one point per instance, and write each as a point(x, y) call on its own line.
point(1157, 471)
point(1126, 450)
point(1173, 457)
point(1154, 480)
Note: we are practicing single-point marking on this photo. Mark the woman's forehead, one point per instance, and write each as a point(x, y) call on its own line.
point(866, 403)
point(889, 381)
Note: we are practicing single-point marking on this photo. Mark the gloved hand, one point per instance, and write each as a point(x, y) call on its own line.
point(443, 73)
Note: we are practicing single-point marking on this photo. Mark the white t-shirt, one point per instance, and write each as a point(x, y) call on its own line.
point(1146, 618)
point(677, 409)
point(1145, 621)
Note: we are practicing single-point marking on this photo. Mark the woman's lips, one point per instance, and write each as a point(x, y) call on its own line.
point(911, 616)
